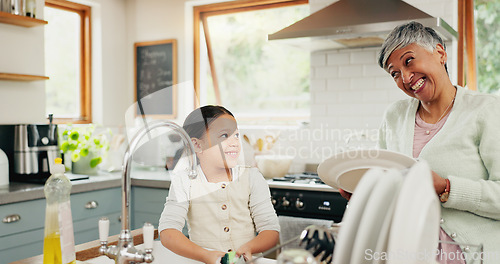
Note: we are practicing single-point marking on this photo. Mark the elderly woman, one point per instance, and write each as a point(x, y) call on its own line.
point(454, 129)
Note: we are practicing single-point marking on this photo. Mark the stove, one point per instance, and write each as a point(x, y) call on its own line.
point(305, 195)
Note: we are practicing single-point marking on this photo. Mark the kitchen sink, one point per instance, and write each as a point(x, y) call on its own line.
point(161, 254)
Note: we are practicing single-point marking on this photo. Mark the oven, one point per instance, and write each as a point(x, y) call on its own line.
point(305, 195)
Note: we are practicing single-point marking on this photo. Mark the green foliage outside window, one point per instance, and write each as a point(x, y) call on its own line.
point(487, 16)
point(257, 76)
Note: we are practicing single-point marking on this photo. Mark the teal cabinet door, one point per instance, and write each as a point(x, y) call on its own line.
point(147, 205)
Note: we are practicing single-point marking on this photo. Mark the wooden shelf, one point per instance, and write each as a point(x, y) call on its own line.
point(20, 20)
point(21, 77)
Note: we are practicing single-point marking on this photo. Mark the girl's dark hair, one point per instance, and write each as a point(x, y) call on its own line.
point(197, 122)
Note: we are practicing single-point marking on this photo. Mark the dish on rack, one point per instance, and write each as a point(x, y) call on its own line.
point(415, 224)
point(353, 215)
point(377, 212)
point(345, 169)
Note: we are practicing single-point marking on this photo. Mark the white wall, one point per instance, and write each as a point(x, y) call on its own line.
point(22, 52)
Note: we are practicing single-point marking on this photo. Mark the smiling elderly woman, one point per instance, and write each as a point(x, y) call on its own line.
point(454, 129)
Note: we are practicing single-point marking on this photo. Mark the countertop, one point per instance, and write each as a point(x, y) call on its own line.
point(152, 178)
point(20, 191)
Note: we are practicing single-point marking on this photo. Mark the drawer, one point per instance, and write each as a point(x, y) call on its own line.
point(30, 215)
point(20, 246)
point(95, 203)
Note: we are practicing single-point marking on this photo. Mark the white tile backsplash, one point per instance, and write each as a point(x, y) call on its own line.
point(363, 57)
point(335, 58)
point(325, 72)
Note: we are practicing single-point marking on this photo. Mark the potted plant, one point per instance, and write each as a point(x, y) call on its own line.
point(84, 147)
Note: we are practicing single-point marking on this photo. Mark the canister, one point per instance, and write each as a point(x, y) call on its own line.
point(17, 7)
point(5, 6)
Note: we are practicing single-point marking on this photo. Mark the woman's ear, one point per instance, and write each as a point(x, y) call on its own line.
point(197, 145)
point(443, 56)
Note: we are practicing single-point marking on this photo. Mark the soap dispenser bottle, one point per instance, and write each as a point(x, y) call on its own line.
point(59, 242)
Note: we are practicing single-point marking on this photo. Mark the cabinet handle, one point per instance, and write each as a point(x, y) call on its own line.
point(91, 205)
point(11, 218)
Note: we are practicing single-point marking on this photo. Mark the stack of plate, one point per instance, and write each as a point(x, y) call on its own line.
point(393, 215)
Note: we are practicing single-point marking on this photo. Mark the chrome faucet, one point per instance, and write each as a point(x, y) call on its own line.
point(125, 252)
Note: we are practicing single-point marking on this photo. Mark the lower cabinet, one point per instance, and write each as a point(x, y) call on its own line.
point(21, 231)
point(22, 227)
point(147, 205)
point(87, 208)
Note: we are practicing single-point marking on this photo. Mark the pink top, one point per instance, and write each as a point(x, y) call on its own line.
point(424, 132)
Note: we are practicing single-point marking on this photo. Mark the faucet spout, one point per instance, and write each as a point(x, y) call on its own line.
point(128, 158)
point(124, 252)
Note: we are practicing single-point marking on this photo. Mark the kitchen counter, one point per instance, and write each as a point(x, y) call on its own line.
point(20, 191)
point(158, 178)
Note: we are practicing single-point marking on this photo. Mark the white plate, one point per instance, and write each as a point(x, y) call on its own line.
point(345, 169)
point(352, 216)
point(414, 231)
point(376, 213)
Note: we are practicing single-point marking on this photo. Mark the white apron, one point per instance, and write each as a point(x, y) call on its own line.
point(219, 214)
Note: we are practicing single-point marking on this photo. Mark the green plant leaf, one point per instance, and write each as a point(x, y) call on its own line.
point(64, 146)
point(95, 161)
point(72, 146)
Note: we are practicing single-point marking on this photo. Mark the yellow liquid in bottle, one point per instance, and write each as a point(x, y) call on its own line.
point(52, 250)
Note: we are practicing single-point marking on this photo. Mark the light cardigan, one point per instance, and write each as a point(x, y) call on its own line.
point(466, 151)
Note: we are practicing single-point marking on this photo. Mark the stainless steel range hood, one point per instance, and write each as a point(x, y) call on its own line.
point(356, 24)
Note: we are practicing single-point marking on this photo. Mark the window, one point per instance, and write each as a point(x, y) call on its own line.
point(67, 61)
point(258, 80)
point(479, 28)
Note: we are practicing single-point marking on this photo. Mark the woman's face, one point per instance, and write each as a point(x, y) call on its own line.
point(220, 146)
point(417, 71)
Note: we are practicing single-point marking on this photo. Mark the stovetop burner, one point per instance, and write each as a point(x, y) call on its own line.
point(304, 178)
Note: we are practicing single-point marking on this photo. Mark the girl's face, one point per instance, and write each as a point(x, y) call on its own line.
point(220, 146)
point(417, 71)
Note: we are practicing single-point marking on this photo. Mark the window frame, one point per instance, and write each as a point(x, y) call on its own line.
point(202, 12)
point(467, 74)
point(85, 59)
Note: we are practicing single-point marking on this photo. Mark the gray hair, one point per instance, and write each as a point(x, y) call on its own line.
point(406, 34)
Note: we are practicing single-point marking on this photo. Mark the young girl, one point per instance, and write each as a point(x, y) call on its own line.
point(225, 205)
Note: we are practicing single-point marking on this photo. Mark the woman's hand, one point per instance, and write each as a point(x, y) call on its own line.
point(439, 183)
point(346, 195)
point(213, 257)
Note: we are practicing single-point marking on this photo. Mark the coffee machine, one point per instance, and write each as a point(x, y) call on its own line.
point(35, 149)
point(31, 150)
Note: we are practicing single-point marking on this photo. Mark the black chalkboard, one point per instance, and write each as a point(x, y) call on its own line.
point(156, 78)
